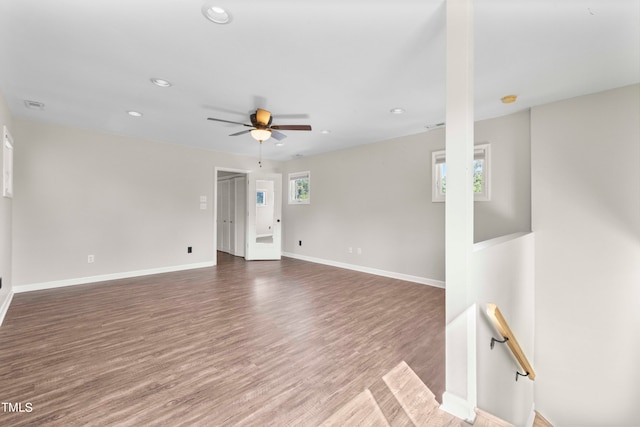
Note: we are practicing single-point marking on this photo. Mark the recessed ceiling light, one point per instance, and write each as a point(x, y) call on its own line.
point(397, 110)
point(161, 82)
point(279, 144)
point(134, 113)
point(325, 131)
point(216, 14)
point(34, 105)
point(509, 99)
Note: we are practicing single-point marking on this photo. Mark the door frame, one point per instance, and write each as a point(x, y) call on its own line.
point(217, 169)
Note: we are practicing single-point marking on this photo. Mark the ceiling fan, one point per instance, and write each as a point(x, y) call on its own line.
point(261, 127)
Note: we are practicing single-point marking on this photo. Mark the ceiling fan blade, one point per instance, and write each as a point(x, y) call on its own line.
point(229, 121)
point(291, 127)
point(263, 116)
point(242, 132)
point(278, 135)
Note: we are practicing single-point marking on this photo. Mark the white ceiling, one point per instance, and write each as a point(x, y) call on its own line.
point(339, 65)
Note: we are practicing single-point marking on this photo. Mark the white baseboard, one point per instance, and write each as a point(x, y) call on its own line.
point(104, 277)
point(375, 271)
point(458, 407)
point(4, 307)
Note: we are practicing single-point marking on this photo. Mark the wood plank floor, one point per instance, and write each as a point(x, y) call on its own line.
point(244, 343)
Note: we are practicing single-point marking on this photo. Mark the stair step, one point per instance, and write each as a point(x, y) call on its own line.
point(440, 418)
point(389, 405)
point(401, 399)
point(418, 402)
point(362, 410)
point(541, 421)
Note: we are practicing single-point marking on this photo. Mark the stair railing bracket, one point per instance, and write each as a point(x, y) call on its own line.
point(494, 341)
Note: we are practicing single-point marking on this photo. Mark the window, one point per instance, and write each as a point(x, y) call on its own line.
point(481, 175)
point(299, 190)
point(261, 198)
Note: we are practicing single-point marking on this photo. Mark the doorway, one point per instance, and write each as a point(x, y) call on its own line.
point(230, 212)
point(247, 214)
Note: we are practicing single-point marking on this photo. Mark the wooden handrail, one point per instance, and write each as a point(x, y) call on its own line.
point(503, 328)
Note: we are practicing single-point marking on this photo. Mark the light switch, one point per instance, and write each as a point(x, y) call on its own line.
point(203, 206)
point(203, 199)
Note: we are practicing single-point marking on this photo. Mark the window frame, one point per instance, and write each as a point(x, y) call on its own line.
point(293, 177)
point(480, 152)
point(7, 163)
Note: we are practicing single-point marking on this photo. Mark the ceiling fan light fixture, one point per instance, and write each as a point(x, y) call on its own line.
point(216, 14)
point(261, 134)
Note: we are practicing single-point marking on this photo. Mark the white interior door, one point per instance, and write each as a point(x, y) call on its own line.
point(264, 209)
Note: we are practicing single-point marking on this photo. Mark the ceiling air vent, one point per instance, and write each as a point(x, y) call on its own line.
point(435, 126)
point(34, 105)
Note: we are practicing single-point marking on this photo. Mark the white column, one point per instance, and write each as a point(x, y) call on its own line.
point(460, 396)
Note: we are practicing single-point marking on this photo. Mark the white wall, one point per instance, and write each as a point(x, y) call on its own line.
point(5, 220)
point(509, 210)
point(134, 204)
point(375, 197)
point(378, 197)
point(503, 274)
point(586, 218)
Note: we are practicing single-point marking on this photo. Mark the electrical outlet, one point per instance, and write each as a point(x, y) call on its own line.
point(189, 250)
point(359, 251)
point(91, 259)
point(350, 250)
